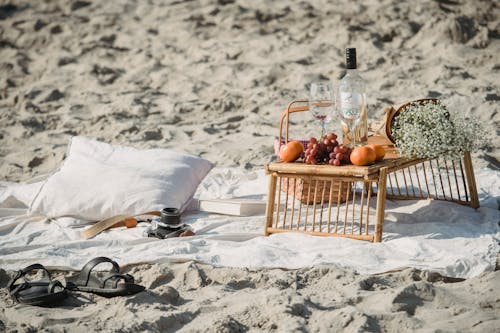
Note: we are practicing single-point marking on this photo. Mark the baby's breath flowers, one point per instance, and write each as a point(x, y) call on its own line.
point(425, 129)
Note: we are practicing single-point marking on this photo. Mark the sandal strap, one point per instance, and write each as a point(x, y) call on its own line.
point(127, 278)
point(84, 276)
point(52, 286)
point(26, 270)
point(13, 291)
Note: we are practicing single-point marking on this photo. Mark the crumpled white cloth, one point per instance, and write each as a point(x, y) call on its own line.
point(451, 239)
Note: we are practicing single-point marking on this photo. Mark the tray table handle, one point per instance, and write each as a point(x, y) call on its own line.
point(285, 115)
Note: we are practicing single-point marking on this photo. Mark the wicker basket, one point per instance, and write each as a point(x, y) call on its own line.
point(304, 189)
point(310, 191)
point(392, 113)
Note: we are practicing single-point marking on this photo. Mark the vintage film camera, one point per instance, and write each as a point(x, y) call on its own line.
point(167, 225)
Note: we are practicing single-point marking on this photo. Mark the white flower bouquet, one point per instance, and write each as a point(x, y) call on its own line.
point(425, 129)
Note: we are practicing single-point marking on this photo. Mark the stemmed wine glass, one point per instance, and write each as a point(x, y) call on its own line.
point(350, 111)
point(322, 103)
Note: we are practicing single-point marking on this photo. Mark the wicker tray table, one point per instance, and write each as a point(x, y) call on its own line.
point(345, 210)
point(329, 200)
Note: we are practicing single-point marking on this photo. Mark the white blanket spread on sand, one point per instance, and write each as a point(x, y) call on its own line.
point(448, 238)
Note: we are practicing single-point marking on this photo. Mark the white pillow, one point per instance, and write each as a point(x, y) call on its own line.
point(98, 180)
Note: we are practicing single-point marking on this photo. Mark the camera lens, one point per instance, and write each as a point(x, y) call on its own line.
point(170, 216)
point(173, 211)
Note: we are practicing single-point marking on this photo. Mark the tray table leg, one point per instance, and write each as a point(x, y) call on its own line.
point(270, 202)
point(471, 181)
point(381, 194)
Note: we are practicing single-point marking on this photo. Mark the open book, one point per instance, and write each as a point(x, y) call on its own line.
point(235, 206)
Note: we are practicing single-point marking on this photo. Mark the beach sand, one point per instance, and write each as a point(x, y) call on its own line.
point(192, 297)
point(211, 78)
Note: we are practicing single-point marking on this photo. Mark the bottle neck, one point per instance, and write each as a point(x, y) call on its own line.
point(351, 72)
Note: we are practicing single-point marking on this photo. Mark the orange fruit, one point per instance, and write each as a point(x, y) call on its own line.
point(363, 155)
point(291, 151)
point(379, 151)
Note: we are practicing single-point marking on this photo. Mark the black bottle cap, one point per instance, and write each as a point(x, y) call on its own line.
point(350, 58)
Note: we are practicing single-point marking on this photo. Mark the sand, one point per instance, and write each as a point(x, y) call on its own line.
point(192, 297)
point(211, 78)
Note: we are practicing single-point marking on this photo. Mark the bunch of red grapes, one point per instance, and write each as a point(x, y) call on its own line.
point(327, 150)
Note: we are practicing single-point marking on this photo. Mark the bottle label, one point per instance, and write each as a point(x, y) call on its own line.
point(350, 103)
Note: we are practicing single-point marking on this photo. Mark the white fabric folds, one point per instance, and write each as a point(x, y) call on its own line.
point(98, 180)
point(434, 235)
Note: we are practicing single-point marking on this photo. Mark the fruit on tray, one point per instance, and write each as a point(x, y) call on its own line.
point(363, 156)
point(326, 150)
point(379, 151)
point(291, 151)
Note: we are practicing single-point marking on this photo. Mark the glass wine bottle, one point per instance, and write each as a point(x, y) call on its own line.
point(352, 99)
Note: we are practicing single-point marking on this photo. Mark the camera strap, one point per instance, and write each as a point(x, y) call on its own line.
point(110, 222)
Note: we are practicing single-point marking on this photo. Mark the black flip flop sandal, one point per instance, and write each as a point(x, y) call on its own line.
point(43, 292)
point(110, 285)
